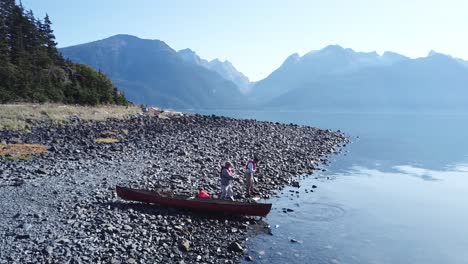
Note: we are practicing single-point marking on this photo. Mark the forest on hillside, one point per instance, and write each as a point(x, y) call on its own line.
point(32, 69)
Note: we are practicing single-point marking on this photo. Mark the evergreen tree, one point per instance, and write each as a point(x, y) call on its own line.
point(32, 69)
point(49, 37)
point(15, 33)
point(6, 8)
point(6, 68)
point(4, 50)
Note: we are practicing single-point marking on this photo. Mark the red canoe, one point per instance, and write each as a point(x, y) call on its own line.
point(205, 205)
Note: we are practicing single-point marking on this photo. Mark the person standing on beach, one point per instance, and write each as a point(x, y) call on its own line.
point(250, 169)
point(226, 185)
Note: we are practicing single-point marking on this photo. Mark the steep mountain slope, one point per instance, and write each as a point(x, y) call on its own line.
point(225, 69)
point(150, 72)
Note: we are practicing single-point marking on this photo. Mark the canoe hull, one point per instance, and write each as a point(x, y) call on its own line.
point(203, 205)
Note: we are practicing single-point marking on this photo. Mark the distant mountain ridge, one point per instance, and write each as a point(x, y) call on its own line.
point(225, 69)
point(151, 72)
point(331, 60)
point(335, 77)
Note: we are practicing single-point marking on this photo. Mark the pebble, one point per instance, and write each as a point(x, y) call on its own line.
point(184, 245)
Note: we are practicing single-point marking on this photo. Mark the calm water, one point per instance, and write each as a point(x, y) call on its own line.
point(400, 195)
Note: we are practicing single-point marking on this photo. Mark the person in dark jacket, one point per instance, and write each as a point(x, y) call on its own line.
point(226, 182)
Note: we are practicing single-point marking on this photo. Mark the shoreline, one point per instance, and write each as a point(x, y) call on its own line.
point(61, 205)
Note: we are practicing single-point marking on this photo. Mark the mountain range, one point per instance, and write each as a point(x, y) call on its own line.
point(150, 72)
point(319, 65)
point(339, 78)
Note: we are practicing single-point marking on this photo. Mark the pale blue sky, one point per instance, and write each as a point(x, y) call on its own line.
point(258, 35)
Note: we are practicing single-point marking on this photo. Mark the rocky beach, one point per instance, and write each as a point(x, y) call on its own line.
point(60, 206)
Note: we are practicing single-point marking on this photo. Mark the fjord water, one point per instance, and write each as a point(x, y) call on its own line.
point(397, 194)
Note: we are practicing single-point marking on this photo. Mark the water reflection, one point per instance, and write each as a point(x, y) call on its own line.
point(367, 215)
point(432, 175)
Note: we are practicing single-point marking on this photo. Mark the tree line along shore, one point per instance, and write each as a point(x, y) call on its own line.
point(33, 70)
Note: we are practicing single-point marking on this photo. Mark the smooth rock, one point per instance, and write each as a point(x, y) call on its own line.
point(184, 245)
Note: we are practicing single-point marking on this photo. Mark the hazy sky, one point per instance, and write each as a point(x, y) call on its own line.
point(258, 35)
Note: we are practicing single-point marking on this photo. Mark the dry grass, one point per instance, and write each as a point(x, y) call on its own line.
point(21, 151)
point(14, 158)
point(108, 133)
point(14, 116)
point(106, 140)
